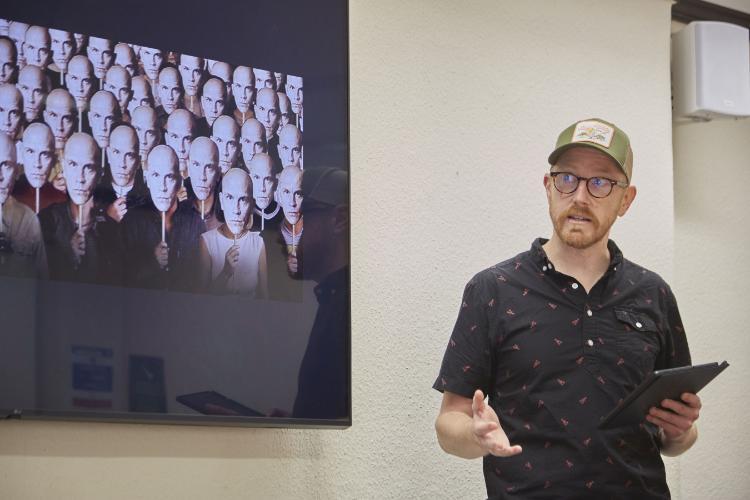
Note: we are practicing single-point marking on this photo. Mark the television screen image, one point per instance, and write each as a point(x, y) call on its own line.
point(155, 263)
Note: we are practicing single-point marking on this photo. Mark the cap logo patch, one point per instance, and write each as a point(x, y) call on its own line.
point(593, 131)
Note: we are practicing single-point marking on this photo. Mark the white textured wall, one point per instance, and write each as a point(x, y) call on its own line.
point(712, 283)
point(454, 109)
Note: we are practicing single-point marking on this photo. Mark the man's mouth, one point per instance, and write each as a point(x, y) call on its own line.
point(578, 218)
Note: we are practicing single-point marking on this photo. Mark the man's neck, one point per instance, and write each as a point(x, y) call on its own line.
point(586, 265)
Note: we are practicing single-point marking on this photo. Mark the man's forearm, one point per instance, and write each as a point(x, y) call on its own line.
point(676, 446)
point(455, 435)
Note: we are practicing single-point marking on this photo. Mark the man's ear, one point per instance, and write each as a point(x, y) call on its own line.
point(341, 219)
point(547, 181)
point(627, 199)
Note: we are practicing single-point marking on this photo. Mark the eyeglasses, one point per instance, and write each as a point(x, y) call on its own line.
point(598, 187)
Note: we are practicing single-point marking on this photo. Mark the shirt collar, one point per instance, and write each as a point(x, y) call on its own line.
point(539, 256)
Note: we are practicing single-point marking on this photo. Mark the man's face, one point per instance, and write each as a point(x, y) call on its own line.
point(17, 33)
point(79, 80)
point(101, 55)
point(280, 79)
point(145, 124)
point(37, 47)
point(580, 220)
point(60, 114)
point(264, 182)
point(203, 167)
point(63, 48)
point(289, 193)
point(152, 60)
point(294, 92)
point(102, 116)
point(243, 88)
point(38, 154)
point(123, 156)
point(33, 89)
point(8, 62)
point(7, 170)
point(264, 79)
point(141, 94)
point(125, 57)
point(163, 180)
point(212, 100)
point(253, 140)
point(118, 84)
point(4, 24)
point(236, 202)
point(267, 111)
point(10, 110)
point(179, 136)
point(81, 41)
point(290, 146)
point(191, 69)
point(223, 71)
point(170, 91)
point(285, 108)
point(80, 171)
point(226, 140)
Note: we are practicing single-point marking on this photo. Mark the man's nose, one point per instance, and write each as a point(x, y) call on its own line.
point(581, 195)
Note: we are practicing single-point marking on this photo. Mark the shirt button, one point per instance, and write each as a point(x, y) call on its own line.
point(574, 286)
point(589, 313)
point(590, 343)
point(638, 324)
point(544, 268)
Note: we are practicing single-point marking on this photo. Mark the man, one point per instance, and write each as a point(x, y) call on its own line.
point(170, 93)
point(146, 125)
point(11, 111)
point(233, 259)
point(125, 57)
point(267, 212)
point(226, 134)
point(81, 245)
point(223, 71)
point(4, 24)
point(8, 61)
point(141, 94)
point(121, 187)
point(267, 112)
point(252, 139)
point(104, 114)
point(17, 33)
point(285, 109)
point(213, 102)
point(117, 81)
point(294, 90)
point(81, 84)
point(160, 241)
point(34, 86)
point(82, 42)
point(22, 252)
point(61, 116)
point(557, 336)
point(289, 197)
point(264, 79)
point(324, 381)
point(280, 81)
point(191, 71)
point(101, 53)
point(243, 90)
point(152, 61)
point(290, 146)
point(37, 47)
point(38, 158)
point(180, 133)
point(63, 47)
point(205, 173)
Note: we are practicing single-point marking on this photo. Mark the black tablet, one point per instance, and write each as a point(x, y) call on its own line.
point(658, 386)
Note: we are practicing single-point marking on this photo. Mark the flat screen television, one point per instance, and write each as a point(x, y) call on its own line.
point(152, 246)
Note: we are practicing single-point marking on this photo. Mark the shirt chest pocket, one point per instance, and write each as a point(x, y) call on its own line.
point(638, 339)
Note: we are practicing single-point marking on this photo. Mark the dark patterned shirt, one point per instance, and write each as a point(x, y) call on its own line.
point(554, 361)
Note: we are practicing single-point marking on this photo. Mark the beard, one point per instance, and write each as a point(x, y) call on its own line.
point(584, 234)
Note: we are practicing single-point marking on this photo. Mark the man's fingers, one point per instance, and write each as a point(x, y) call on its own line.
point(484, 428)
point(674, 419)
point(477, 404)
point(506, 451)
point(681, 409)
point(692, 399)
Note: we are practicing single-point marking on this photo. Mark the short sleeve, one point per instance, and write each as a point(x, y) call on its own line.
point(676, 351)
point(467, 361)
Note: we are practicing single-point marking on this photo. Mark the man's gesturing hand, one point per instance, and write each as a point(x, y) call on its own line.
point(487, 431)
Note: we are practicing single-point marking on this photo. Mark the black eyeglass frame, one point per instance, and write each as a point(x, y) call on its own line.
point(612, 183)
